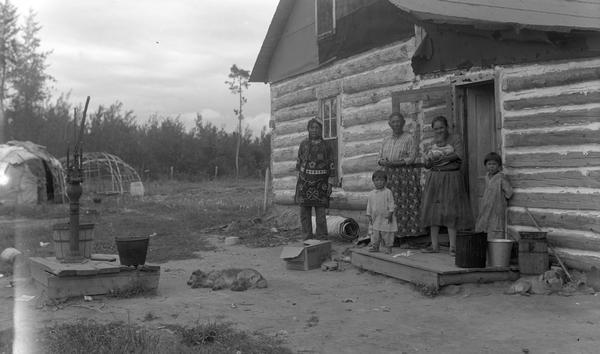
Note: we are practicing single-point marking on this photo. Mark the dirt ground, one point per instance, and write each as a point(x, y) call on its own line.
point(346, 311)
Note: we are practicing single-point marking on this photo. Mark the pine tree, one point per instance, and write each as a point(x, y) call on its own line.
point(237, 84)
point(30, 82)
point(8, 58)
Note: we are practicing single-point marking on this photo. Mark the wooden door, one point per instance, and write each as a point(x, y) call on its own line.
point(481, 138)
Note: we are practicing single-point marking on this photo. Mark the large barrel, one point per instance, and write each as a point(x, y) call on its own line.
point(471, 249)
point(61, 235)
point(533, 253)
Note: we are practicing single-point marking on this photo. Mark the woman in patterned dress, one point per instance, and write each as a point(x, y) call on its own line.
point(316, 172)
point(397, 155)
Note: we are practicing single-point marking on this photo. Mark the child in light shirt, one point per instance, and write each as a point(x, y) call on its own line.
point(380, 211)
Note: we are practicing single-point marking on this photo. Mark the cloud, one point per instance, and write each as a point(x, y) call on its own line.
point(157, 57)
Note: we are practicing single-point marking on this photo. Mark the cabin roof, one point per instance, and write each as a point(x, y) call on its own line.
point(546, 15)
point(261, 66)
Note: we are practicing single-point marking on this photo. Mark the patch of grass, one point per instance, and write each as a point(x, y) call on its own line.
point(88, 336)
point(176, 214)
point(116, 337)
point(222, 338)
point(426, 290)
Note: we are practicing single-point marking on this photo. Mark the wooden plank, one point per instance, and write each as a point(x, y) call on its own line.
point(372, 96)
point(552, 101)
point(368, 114)
point(65, 287)
point(563, 137)
point(362, 148)
point(572, 201)
point(569, 221)
point(552, 119)
point(556, 179)
point(553, 159)
point(550, 79)
point(395, 270)
point(432, 95)
point(104, 257)
point(478, 277)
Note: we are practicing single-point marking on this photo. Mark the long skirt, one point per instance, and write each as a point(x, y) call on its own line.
point(445, 201)
point(405, 184)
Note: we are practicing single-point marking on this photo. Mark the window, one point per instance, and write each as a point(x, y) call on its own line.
point(329, 114)
point(325, 17)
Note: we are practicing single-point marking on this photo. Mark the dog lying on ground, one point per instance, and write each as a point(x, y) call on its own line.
point(233, 278)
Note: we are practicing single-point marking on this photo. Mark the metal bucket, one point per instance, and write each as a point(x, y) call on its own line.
point(132, 250)
point(499, 252)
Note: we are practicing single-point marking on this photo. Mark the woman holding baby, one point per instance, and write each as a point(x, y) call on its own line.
point(445, 199)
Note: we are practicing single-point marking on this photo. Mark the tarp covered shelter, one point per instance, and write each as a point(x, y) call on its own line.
point(29, 174)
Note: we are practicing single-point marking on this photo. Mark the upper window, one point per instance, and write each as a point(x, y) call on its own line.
point(330, 118)
point(325, 14)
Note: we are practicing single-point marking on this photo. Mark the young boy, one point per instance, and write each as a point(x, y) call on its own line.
point(380, 211)
point(492, 210)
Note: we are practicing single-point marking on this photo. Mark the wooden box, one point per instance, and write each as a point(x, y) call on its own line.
point(308, 256)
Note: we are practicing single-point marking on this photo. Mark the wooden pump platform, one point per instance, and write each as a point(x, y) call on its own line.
point(433, 269)
point(100, 275)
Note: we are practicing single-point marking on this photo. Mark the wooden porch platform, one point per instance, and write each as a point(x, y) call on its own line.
point(100, 275)
point(434, 269)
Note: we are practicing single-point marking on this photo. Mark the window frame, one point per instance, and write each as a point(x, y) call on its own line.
point(337, 137)
point(328, 32)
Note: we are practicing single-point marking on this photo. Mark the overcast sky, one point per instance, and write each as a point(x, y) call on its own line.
point(165, 57)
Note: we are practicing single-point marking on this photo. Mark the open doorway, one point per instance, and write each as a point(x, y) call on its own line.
point(476, 111)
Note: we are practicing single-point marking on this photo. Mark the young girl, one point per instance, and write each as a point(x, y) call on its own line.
point(380, 211)
point(492, 210)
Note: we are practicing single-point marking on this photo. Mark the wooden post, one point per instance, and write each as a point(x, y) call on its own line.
point(216, 171)
point(266, 195)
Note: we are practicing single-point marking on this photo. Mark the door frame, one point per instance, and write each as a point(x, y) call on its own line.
point(459, 89)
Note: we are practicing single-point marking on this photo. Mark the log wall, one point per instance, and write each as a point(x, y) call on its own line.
point(363, 84)
point(551, 139)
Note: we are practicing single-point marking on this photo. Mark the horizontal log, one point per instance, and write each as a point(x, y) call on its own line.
point(372, 96)
point(294, 98)
point(553, 119)
point(567, 220)
point(303, 110)
point(572, 259)
point(556, 179)
point(281, 141)
point(550, 79)
point(368, 61)
point(432, 112)
point(553, 160)
point(372, 131)
point(293, 126)
point(574, 201)
point(284, 154)
point(393, 74)
point(339, 200)
point(552, 101)
point(329, 89)
point(367, 163)
point(362, 148)
point(368, 113)
point(563, 137)
point(288, 182)
point(282, 169)
point(360, 182)
point(431, 95)
point(565, 240)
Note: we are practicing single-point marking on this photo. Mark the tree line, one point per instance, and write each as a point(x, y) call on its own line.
point(154, 148)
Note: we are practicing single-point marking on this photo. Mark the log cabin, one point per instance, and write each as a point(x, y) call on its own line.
point(520, 78)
